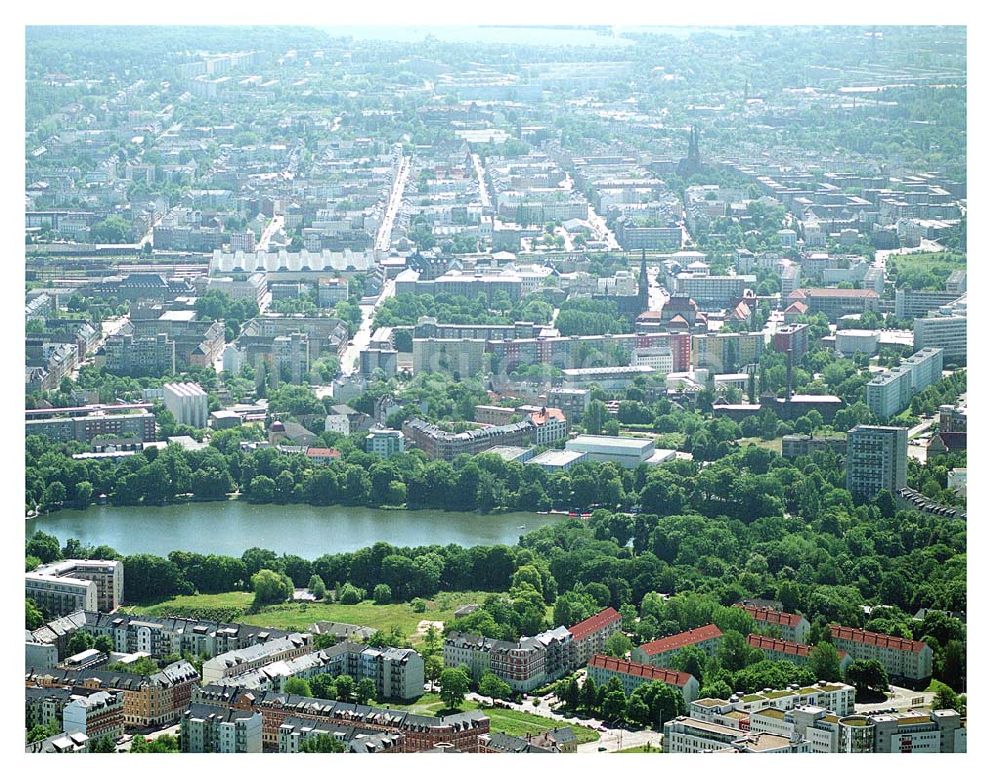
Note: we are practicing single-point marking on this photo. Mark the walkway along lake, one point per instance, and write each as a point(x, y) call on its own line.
point(231, 527)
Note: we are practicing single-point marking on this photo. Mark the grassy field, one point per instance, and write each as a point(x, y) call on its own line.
point(774, 445)
point(514, 723)
point(643, 750)
point(299, 616)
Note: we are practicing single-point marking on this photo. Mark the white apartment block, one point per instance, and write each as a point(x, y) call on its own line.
point(660, 359)
point(889, 393)
point(949, 333)
point(902, 657)
point(188, 402)
point(385, 443)
point(70, 585)
point(240, 661)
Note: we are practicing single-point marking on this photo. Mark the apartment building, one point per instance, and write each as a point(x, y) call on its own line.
point(590, 635)
point(164, 636)
point(218, 729)
point(453, 356)
point(524, 665)
point(836, 302)
point(610, 378)
point(419, 732)
point(398, 673)
point(84, 424)
point(793, 627)
point(876, 460)
point(726, 352)
point(890, 392)
point(240, 661)
point(946, 329)
point(95, 714)
point(188, 402)
point(385, 443)
point(549, 426)
point(601, 668)
point(902, 657)
point(149, 701)
point(296, 731)
point(711, 291)
point(570, 400)
point(802, 445)
point(798, 653)
point(66, 586)
point(290, 358)
point(792, 338)
point(913, 304)
point(439, 445)
point(134, 355)
point(659, 652)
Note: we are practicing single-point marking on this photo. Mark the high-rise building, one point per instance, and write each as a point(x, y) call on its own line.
point(188, 402)
point(876, 460)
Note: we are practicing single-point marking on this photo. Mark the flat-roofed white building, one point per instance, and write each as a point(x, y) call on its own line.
point(605, 448)
point(188, 402)
point(557, 460)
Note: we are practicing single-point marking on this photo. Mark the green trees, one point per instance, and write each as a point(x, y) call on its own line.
point(454, 686)
point(316, 586)
point(365, 691)
point(868, 676)
point(343, 687)
point(382, 593)
point(595, 417)
point(33, 617)
point(492, 686)
point(102, 744)
point(824, 662)
point(79, 642)
point(321, 742)
point(270, 587)
point(297, 686)
point(617, 644)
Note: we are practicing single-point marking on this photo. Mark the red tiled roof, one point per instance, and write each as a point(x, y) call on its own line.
point(543, 416)
point(875, 639)
point(785, 647)
point(669, 643)
point(771, 616)
point(615, 665)
point(592, 624)
point(797, 307)
point(318, 451)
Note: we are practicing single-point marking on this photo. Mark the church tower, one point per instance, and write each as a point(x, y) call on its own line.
point(643, 285)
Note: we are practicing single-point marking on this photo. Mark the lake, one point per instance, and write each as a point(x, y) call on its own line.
point(231, 527)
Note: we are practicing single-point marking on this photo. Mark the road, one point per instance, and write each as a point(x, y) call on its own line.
point(657, 294)
point(363, 337)
point(899, 698)
point(600, 225)
point(384, 236)
point(484, 196)
point(276, 223)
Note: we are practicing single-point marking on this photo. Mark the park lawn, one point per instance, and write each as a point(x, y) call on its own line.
point(774, 445)
point(641, 750)
point(300, 616)
point(517, 723)
point(514, 723)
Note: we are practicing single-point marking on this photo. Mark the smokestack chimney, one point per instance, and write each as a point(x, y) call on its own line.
point(788, 375)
